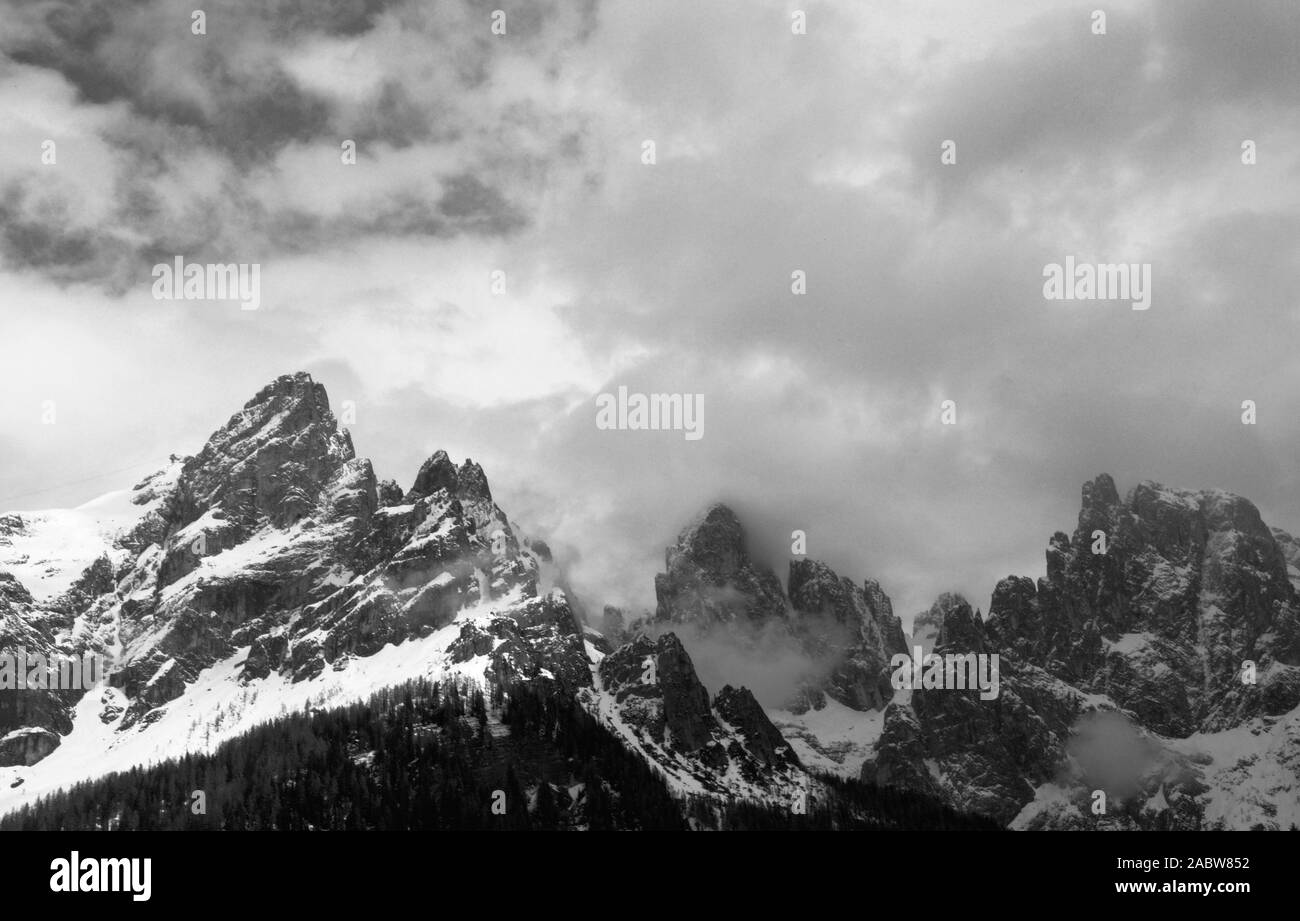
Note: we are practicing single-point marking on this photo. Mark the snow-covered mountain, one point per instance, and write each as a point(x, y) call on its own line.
point(1159, 665)
point(273, 571)
point(1158, 662)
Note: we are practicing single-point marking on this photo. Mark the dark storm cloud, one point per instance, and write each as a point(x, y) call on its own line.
point(397, 119)
point(1144, 94)
point(67, 43)
point(1233, 53)
point(253, 112)
point(288, 18)
point(925, 283)
point(775, 153)
point(470, 203)
point(43, 236)
point(38, 243)
point(196, 129)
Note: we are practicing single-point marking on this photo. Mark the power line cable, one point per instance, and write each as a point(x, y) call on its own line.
point(89, 479)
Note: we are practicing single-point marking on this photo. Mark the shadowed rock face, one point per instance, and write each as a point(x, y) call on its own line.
point(984, 755)
point(271, 461)
point(738, 708)
point(711, 580)
point(846, 632)
point(27, 746)
point(35, 717)
point(439, 473)
point(960, 629)
point(660, 672)
point(900, 756)
point(658, 696)
point(1190, 585)
point(882, 609)
point(845, 627)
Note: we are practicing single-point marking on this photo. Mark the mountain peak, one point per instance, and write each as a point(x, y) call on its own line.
point(272, 458)
point(296, 387)
point(710, 578)
point(960, 628)
point(438, 472)
point(714, 541)
point(1100, 492)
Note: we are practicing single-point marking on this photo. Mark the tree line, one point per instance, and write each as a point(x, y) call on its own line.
point(441, 756)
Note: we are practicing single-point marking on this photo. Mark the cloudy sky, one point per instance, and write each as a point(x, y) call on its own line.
point(522, 153)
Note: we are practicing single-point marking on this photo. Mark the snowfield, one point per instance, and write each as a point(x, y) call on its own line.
point(219, 706)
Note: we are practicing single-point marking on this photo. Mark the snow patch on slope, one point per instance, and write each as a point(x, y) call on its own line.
point(218, 707)
point(1253, 772)
point(48, 550)
point(835, 739)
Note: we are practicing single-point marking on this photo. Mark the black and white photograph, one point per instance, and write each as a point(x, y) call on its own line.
point(459, 416)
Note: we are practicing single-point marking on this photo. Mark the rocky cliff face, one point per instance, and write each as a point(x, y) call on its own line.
point(710, 579)
point(31, 720)
point(272, 569)
point(652, 696)
point(850, 628)
point(1190, 585)
point(1156, 663)
point(1166, 620)
point(986, 755)
point(845, 632)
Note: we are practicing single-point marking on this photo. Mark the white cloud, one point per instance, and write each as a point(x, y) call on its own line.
point(818, 152)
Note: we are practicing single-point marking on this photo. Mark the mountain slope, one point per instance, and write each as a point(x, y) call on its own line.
point(1157, 662)
point(271, 571)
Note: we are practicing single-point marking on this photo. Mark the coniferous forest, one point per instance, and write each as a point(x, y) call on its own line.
point(426, 756)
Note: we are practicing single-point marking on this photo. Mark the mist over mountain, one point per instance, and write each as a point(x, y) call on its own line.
point(594, 415)
point(1157, 663)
